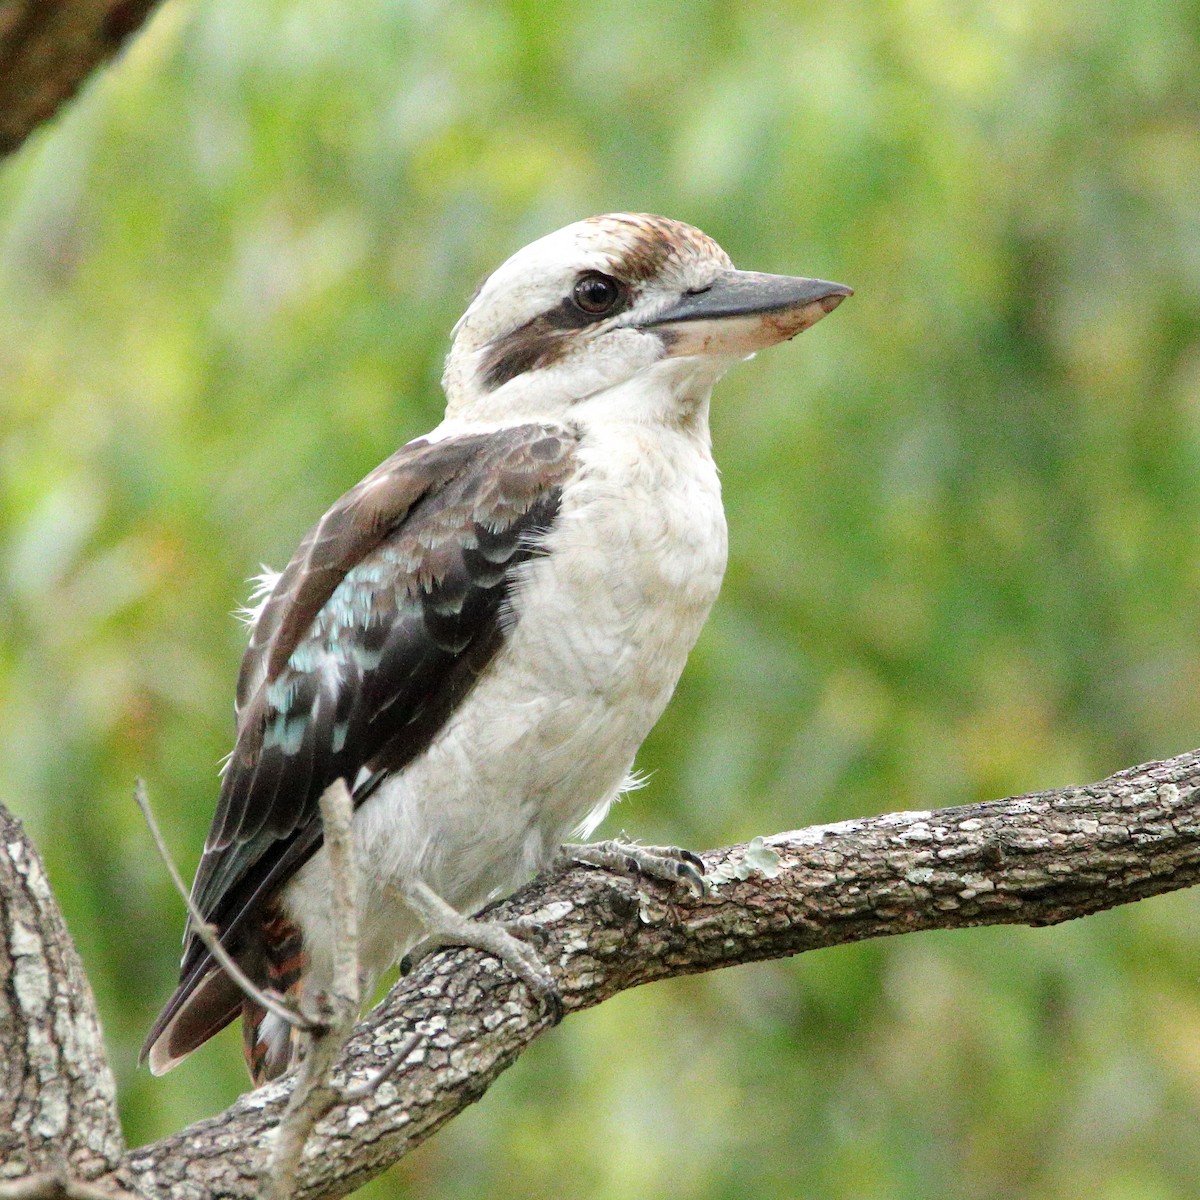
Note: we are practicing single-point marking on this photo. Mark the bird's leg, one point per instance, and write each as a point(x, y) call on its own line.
point(506, 940)
point(668, 863)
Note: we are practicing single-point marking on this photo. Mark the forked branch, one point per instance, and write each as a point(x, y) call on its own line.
point(1031, 860)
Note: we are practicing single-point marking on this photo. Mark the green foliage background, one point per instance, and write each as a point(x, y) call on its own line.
point(963, 515)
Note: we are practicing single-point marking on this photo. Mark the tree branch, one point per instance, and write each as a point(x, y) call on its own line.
point(48, 48)
point(58, 1111)
point(1031, 860)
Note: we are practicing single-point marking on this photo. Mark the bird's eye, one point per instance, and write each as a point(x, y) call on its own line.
point(596, 294)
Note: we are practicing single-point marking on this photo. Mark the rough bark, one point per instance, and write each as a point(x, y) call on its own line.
point(48, 48)
point(1032, 860)
point(58, 1109)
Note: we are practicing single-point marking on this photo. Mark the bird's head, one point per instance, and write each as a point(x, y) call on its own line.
point(632, 312)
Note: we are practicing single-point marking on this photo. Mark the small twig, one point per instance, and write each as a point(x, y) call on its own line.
point(313, 1095)
point(369, 1086)
point(207, 934)
point(337, 815)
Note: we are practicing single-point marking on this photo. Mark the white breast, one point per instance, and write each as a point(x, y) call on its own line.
point(601, 626)
point(607, 618)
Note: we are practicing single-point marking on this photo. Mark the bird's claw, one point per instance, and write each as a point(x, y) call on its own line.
point(509, 941)
point(671, 864)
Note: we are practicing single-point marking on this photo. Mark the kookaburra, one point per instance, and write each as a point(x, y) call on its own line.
point(479, 635)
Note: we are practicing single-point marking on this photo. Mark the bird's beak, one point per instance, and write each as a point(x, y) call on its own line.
point(745, 311)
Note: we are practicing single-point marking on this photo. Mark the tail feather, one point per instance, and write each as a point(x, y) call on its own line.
point(255, 1045)
point(189, 1019)
point(272, 1047)
point(207, 1000)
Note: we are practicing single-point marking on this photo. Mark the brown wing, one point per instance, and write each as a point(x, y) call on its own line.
point(380, 625)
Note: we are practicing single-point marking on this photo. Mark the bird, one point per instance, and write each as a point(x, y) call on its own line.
point(478, 636)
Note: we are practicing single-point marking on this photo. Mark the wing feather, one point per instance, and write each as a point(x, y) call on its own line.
point(378, 627)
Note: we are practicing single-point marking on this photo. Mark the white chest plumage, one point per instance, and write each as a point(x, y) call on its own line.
point(598, 634)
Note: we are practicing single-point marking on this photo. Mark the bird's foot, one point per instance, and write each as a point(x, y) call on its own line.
point(669, 863)
point(506, 940)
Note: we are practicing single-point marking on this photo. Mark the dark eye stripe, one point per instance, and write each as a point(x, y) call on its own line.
point(537, 343)
point(568, 315)
point(540, 342)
